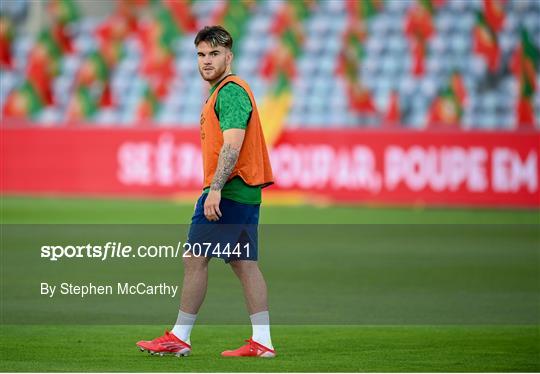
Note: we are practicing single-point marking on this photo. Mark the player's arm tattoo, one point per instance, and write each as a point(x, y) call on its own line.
point(226, 162)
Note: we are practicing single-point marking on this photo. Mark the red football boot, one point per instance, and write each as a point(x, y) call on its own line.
point(166, 344)
point(252, 349)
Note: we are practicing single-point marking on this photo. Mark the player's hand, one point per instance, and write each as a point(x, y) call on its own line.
point(211, 205)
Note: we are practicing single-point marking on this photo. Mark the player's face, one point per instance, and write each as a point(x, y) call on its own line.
point(214, 62)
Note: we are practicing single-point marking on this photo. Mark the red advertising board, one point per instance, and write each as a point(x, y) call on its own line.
point(387, 167)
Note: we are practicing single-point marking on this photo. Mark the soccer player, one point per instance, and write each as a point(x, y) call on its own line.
point(236, 167)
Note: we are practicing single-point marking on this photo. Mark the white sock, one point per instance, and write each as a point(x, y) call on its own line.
point(184, 324)
point(260, 322)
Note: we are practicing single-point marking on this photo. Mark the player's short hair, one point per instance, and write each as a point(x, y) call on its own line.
point(214, 35)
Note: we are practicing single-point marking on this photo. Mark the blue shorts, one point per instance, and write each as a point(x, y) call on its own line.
point(233, 237)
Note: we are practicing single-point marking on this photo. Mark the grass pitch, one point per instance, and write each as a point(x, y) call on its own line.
point(300, 349)
point(500, 347)
point(20, 209)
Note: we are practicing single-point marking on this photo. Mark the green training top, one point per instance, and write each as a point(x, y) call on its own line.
point(233, 108)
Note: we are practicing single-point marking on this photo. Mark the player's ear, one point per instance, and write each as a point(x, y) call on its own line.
point(229, 57)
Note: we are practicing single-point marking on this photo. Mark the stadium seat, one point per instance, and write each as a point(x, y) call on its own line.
point(320, 94)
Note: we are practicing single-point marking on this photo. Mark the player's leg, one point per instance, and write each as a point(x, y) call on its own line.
point(193, 292)
point(195, 283)
point(192, 296)
point(253, 284)
point(255, 294)
point(195, 279)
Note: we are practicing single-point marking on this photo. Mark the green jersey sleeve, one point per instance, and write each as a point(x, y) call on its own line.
point(233, 107)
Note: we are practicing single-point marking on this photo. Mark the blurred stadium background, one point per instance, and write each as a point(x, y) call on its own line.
point(385, 101)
